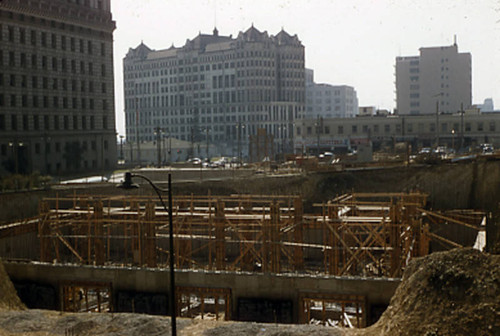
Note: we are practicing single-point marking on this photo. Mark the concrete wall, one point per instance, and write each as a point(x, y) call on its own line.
point(377, 291)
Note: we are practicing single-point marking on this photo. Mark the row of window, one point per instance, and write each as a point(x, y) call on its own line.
point(44, 39)
point(49, 122)
point(56, 102)
point(297, 57)
point(63, 65)
point(410, 129)
point(47, 83)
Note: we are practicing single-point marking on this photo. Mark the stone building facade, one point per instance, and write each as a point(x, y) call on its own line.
point(56, 86)
point(219, 87)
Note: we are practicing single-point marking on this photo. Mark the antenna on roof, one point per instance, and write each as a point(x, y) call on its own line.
point(215, 13)
point(455, 40)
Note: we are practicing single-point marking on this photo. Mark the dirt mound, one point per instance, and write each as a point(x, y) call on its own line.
point(447, 293)
point(8, 294)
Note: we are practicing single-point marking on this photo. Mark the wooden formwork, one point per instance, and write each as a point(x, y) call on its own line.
point(354, 234)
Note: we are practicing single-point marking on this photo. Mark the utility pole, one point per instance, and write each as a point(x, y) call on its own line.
point(437, 123)
point(192, 142)
point(158, 145)
point(239, 142)
point(208, 157)
point(461, 126)
point(121, 148)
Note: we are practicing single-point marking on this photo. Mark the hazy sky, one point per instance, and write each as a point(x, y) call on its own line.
point(351, 42)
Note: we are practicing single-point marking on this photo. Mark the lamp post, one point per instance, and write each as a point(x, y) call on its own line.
point(239, 127)
point(128, 184)
point(158, 131)
point(121, 147)
point(15, 154)
point(453, 139)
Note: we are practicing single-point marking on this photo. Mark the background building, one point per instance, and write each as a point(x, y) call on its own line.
point(331, 101)
point(457, 130)
point(219, 87)
point(56, 86)
point(440, 78)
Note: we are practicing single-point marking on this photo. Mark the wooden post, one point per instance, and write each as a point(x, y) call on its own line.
point(99, 233)
point(220, 248)
point(298, 234)
point(275, 237)
point(150, 236)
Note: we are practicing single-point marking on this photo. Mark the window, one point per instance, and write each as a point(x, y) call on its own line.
point(33, 37)
point(11, 34)
point(23, 60)
point(22, 36)
point(480, 127)
point(354, 129)
point(36, 122)
point(13, 122)
point(12, 58)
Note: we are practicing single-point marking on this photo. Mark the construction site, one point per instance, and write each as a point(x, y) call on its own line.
point(266, 258)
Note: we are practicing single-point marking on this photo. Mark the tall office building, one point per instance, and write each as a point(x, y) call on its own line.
point(56, 86)
point(440, 79)
point(219, 87)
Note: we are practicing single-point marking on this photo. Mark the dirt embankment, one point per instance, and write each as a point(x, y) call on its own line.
point(446, 293)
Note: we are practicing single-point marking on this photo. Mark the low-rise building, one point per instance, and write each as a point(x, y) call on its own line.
point(459, 130)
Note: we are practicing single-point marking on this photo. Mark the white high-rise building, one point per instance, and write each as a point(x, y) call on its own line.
point(440, 79)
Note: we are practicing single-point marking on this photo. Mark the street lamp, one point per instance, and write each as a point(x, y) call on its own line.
point(128, 184)
point(15, 153)
point(239, 127)
point(453, 139)
point(158, 132)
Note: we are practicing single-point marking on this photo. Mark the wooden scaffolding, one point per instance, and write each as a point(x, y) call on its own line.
point(353, 234)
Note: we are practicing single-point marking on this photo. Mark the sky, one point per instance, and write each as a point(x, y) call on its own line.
point(347, 42)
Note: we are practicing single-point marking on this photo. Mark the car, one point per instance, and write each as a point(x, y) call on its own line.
point(425, 150)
